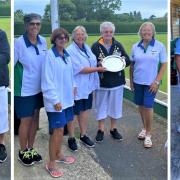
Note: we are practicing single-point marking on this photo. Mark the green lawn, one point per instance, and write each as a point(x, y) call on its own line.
point(128, 41)
point(5, 24)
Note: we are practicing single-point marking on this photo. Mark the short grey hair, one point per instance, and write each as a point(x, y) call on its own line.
point(105, 25)
point(82, 28)
point(146, 24)
point(29, 17)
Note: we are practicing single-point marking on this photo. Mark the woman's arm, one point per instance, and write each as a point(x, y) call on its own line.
point(155, 85)
point(131, 69)
point(88, 70)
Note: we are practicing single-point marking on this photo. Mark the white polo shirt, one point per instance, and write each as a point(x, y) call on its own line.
point(177, 49)
point(57, 80)
point(28, 60)
point(85, 83)
point(146, 61)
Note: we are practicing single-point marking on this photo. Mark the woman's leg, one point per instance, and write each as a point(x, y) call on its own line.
point(55, 144)
point(70, 127)
point(142, 113)
point(113, 123)
point(83, 122)
point(24, 132)
point(33, 129)
point(101, 125)
point(148, 114)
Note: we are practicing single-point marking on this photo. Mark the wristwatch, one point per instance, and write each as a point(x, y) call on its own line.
point(157, 82)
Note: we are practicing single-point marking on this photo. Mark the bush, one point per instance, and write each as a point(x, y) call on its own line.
point(5, 10)
point(92, 27)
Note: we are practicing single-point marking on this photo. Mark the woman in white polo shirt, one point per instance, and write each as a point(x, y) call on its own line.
point(86, 79)
point(30, 50)
point(58, 94)
point(145, 76)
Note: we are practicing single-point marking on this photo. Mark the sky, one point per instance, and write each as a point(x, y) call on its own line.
point(146, 7)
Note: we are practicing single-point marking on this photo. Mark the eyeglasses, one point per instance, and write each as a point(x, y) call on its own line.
point(62, 38)
point(33, 24)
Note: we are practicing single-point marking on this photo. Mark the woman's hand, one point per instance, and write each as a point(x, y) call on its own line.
point(58, 106)
point(154, 87)
point(101, 69)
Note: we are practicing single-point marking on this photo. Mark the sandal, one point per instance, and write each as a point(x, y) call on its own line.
point(142, 134)
point(54, 172)
point(147, 142)
point(67, 160)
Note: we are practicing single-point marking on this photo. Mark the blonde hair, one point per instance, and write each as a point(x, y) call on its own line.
point(146, 24)
point(82, 28)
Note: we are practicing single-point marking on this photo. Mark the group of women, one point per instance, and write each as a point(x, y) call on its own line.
point(67, 79)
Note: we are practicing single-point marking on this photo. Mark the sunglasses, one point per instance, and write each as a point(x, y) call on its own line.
point(62, 38)
point(33, 24)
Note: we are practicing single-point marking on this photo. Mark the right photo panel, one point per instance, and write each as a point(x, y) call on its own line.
point(175, 89)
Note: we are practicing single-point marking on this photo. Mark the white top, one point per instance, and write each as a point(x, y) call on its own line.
point(146, 61)
point(28, 60)
point(57, 80)
point(86, 83)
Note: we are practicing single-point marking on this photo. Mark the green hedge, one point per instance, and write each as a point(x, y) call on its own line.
point(92, 27)
point(5, 11)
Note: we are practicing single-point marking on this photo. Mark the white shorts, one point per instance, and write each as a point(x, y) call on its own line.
point(4, 127)
point(109, 103)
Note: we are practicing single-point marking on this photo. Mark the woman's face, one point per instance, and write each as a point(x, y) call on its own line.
point(79, 37)
point(61, 41)
point(147, 32)
point(33, 28)
point(107, 34)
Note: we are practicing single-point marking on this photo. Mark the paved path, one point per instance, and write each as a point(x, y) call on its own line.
point(126, 160)
point(5, 168)
point(175, 137)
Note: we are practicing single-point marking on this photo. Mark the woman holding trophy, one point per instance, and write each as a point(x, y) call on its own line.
point(110, 95)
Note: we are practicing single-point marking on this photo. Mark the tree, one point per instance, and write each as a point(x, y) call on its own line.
point(86, 9)
point(18, 15)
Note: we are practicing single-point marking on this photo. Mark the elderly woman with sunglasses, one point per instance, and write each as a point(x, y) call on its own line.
point(145, 77)
point(58, 93)
point(86, 78)
point(109, 97)
point(30, 50)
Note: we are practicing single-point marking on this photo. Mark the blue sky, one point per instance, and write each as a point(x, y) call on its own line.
point(146, 7)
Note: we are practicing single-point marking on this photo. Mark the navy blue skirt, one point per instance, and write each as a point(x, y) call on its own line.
point(25, 106)
point(83, 104)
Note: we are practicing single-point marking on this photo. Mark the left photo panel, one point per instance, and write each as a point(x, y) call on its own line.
point(5, 89)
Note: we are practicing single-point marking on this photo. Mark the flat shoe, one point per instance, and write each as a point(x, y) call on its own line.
point(147, 142)
point(54, 172)
point(67, 160)
point(142, 134)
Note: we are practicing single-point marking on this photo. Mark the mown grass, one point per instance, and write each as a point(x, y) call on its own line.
point(127, 41)
point(5, 24)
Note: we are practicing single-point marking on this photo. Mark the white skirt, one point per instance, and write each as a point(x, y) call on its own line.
point(4, 126)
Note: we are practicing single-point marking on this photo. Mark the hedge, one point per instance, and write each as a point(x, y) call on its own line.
point(5, 11)
point(92, 27)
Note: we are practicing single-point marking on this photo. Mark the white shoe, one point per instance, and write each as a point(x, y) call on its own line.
point(142, 134)
point(148, 142)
